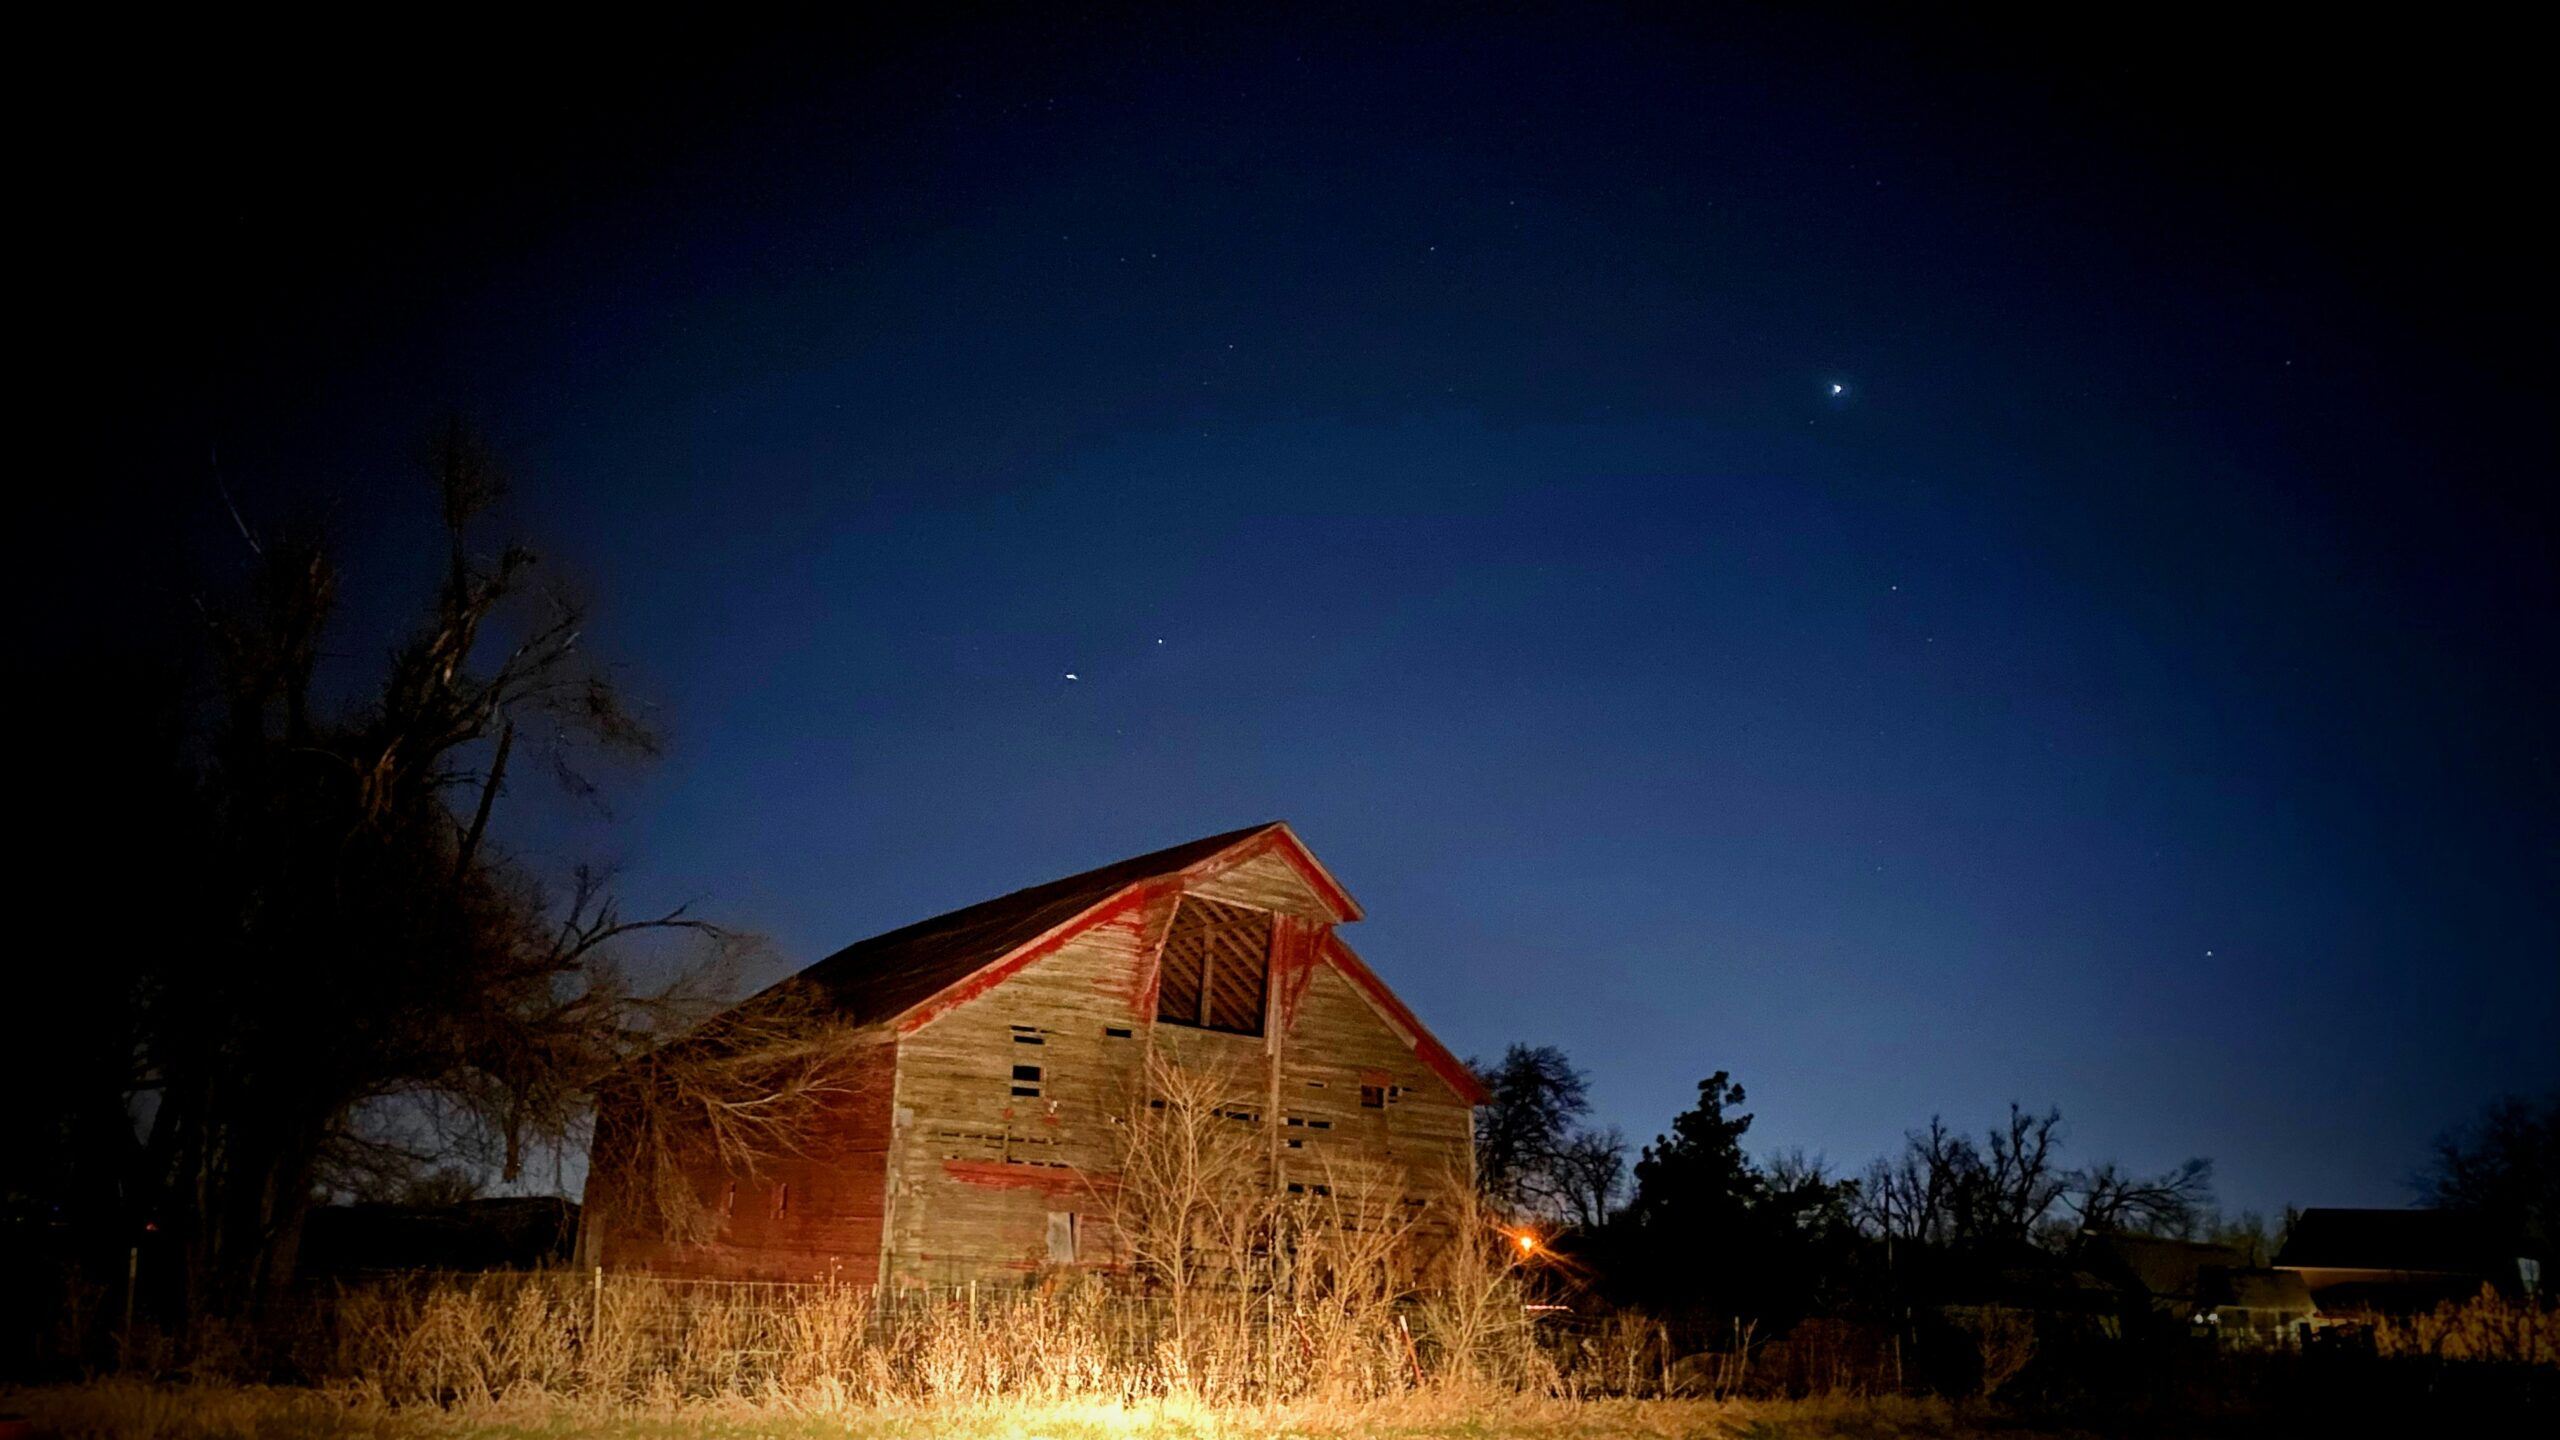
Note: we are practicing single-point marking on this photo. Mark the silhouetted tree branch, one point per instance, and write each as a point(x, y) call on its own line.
point(358, 983)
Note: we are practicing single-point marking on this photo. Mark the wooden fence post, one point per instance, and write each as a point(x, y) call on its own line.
point(132, 1273)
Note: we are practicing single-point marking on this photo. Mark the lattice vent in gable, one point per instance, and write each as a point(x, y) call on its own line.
point(1216, 967)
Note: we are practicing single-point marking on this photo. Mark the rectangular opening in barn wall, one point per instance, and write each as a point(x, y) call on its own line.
point(1062, 1237)
point(1216, 968)
point(1373, 1090)
point(1026, 1080)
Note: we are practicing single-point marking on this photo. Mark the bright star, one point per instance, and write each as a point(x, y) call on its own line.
point(1071, 675)
point(1837, 388)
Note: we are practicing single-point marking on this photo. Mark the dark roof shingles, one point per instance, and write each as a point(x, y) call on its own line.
point(880, 978)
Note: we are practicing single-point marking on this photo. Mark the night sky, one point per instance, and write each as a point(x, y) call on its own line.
point(1920, 562)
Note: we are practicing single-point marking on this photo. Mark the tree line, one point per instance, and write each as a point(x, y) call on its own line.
point(1697, 1225)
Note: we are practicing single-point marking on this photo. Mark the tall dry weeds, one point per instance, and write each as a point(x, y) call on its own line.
point(2487, 1327)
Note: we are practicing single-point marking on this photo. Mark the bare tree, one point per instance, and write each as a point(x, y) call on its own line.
point(364, 982)
point(1943, 1189)
point(2022, 1179)
point(2174, 1203)
point(1591, 1174)
point(1909, 1196)
point(2504, 1170)
point(1523, 1129)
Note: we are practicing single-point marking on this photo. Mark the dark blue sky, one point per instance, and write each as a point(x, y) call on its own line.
point(2133, 692)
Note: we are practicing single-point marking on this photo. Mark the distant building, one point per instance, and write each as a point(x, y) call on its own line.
point(2199, 1283)
point(2396, 1261)
point(1011, 1033)
point(2243, 1304)
point(2170, 1273)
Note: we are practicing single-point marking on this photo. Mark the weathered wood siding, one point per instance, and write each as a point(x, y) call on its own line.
point(1267, 881)
point(978, 1171)
point(980, 1174)
point(813, 1217)
point(1424, 1131)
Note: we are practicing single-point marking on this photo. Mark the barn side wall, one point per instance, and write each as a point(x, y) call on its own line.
point(821, 1216)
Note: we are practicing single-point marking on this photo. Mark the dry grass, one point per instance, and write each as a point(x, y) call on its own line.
point(633, 1340)
point(131, 1410)
point(562, 1356)
point(2486, 1327)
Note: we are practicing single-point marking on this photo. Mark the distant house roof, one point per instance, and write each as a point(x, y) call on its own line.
point(899, 975)
point(2410, 1241)
point(2161, 1267)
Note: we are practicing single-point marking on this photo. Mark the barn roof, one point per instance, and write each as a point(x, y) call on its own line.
point(887, 975)
point(897, 974)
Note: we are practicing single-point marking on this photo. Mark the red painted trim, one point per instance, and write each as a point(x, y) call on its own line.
point(1431, 1052)
point(1295, 942)
point(1151, 955)
point(1048, 1180)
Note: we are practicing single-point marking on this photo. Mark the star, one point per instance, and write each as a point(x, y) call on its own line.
point(1837, 387)
point(1072, 675)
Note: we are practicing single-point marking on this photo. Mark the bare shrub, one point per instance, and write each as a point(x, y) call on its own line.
point(2004, 1340)
point(2486, 1327)
point(1333, 1287)
point(1472, 1306)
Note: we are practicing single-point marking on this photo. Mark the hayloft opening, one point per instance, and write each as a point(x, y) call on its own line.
point(1216, 968)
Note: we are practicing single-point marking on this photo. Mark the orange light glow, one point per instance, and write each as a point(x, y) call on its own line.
point(1528, 1242)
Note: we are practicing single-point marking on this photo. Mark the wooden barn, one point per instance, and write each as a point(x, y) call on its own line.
point(1011, 1033)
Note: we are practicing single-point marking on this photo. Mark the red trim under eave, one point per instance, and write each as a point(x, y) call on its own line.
point(1425, 1046)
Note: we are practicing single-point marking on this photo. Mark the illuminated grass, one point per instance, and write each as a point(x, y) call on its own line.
point(136, 1411)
